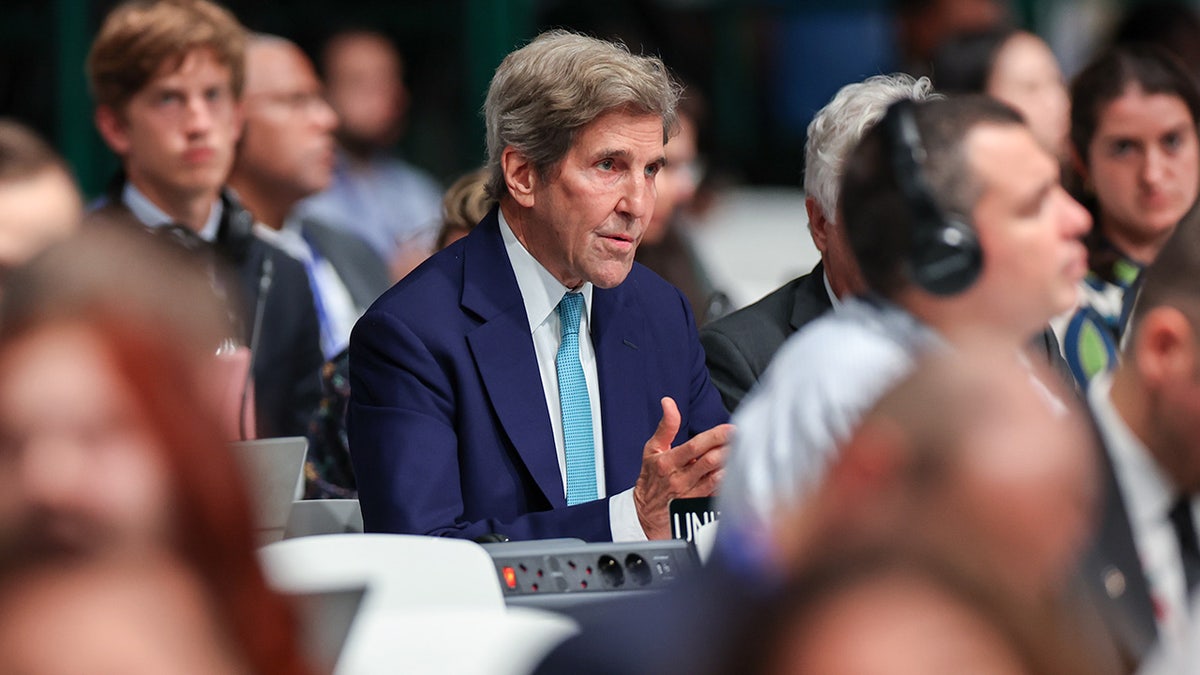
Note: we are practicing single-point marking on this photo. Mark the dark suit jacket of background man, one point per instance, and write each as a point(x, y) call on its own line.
point(449, 428)
point(741, 345)
point(360, 268)
point(287, 359)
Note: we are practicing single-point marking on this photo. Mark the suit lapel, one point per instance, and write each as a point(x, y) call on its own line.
point(503, 350)
point(811, 298)
point(620, 339)
point(1115, 572)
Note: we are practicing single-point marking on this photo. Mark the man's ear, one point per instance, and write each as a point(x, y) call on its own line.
point(519, 175)
point(112, 129)
point(1164, 347)
point(818, 225)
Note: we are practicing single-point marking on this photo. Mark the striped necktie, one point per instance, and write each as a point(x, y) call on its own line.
point(575, 405)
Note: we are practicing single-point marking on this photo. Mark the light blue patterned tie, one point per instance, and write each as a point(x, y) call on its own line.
point(576, 407)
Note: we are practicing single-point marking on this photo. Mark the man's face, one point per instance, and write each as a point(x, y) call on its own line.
point(590, 213)
point(1144, 164)
point(177, 135)
point(1174, 400)
point(1029, 229)
point(366, 88)
point(288, 144)
point(829, 236)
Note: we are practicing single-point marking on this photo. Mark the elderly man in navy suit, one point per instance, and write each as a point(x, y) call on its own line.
point(531, 381)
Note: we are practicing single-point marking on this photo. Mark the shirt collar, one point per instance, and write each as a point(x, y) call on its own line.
point(1147, 492)
point(540, 291)
point(151, 216)
point(289, 238)
point(834, 300)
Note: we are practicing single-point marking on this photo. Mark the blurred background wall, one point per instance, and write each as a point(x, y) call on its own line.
point(763, 65)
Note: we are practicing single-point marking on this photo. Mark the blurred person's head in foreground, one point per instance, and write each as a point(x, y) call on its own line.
point(891, 611)
point(832, 135)
point(465, 203)
point(1135, 151)
point(1013, 66)
point(39, 202)
point(135, 615)
point(955, 212)
point(968, 456)
point(109, 431)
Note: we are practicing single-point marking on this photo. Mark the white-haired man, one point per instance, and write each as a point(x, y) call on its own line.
point(738, 347)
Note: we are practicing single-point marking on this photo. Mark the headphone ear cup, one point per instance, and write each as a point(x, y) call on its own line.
point(236, 230)
point(946, 257)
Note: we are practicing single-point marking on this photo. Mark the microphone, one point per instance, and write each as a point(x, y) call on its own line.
point(266, 276)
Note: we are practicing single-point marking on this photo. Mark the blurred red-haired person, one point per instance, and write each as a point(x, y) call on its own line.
point(109, 431)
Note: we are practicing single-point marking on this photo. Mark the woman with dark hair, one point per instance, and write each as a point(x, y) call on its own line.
point(1135, 158)
point(109, 433)
point(1015, 67)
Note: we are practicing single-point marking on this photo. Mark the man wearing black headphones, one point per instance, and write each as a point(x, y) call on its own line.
point(739, 347)
point(167, 78)
point(961, 228)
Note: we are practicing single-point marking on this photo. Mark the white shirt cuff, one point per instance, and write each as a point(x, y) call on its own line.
point(623, 518)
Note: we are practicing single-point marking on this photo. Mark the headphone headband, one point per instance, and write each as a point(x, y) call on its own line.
point(944, 256)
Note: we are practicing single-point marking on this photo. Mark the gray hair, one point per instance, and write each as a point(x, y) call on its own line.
point(840, 125)
point(545, 92)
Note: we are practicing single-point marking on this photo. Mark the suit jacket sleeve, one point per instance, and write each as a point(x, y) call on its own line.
point(731, 372)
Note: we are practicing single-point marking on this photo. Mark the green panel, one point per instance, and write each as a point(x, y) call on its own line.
point(493, 28)
point(75, 137)
point(732, 90)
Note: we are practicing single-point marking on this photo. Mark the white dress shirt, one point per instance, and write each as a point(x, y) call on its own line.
point(151, 216)
point(1148, 495)
point(834, 301)
point(541, 293)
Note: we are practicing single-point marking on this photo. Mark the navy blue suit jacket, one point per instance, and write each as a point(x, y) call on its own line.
point(448, 425)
